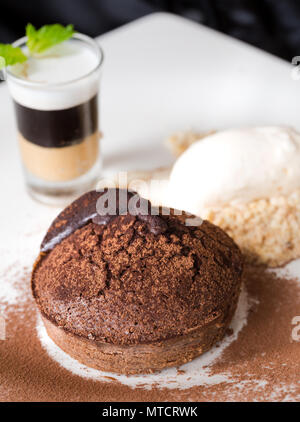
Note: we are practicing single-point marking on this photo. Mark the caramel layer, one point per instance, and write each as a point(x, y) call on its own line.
point(60, 164)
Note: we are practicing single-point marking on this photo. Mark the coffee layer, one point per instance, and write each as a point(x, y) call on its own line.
point(58, 128)
point(60, 164)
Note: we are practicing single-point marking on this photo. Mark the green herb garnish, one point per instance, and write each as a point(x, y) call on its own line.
point(11, 55)
point(38, 41)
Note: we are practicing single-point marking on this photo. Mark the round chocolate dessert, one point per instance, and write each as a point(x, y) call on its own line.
point(132, 292)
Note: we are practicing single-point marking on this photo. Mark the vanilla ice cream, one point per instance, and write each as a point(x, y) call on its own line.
point(236, 166)
point(246, 181)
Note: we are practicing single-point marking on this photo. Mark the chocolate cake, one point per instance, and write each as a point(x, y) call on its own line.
point(135, 292)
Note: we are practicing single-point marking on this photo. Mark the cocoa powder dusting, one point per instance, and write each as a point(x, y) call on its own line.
point(262, 364)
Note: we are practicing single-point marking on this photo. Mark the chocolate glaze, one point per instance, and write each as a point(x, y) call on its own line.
point(86, 209)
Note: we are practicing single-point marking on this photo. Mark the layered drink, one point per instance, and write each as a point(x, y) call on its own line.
point(56, 102)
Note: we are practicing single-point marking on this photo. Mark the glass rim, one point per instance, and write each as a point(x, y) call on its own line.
point(76, 35)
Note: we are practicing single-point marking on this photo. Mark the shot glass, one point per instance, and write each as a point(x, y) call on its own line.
point(56, 105)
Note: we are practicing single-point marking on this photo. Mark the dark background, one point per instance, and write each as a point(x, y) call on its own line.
point(273, 25)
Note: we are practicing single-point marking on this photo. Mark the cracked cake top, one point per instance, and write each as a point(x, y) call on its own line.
point(117, 280)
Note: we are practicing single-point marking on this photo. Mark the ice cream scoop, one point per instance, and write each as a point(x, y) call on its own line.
point(236, 166)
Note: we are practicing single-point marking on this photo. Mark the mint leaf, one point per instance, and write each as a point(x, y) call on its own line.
point(11, 55)
point(39, 40)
